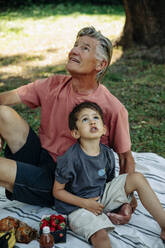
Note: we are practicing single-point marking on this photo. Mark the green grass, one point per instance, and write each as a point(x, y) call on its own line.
point(140, 86)
point(34, 44)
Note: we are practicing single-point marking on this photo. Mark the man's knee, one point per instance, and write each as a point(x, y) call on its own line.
point(13, 128)
point(6, 114)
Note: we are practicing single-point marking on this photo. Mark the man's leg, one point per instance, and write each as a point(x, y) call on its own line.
point(8, 170)
point(137, 182)
point(100, 239)
point(13, 128)
point(27, 183)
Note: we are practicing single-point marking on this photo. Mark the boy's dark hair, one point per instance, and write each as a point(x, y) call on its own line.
point(78, 108)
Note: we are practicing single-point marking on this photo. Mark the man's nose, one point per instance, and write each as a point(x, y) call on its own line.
point(75, 50)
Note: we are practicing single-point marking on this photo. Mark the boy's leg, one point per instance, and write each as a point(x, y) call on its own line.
point(115, 201)
point(100, 239)
point(137, 182)
point(91, 227)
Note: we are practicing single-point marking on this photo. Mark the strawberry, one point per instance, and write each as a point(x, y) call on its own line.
point(61, 225)
point(53, 223)
point(60, 218)
point(61, 235)
point(52, 229)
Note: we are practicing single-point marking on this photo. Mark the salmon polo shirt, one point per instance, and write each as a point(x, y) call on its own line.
point(57, 98)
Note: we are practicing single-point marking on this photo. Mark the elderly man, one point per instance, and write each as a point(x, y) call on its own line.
point(27, 172)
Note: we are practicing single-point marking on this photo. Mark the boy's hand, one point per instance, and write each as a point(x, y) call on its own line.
point(93, 205)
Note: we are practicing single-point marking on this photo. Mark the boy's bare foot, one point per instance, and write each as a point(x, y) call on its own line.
point(123, 216)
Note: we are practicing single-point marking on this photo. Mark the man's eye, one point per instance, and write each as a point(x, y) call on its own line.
point(84, 120)
point(75, 45)
point(85, 48)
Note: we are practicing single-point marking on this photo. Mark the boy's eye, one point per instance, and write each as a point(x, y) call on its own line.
point(84, 119)
point(96, 117)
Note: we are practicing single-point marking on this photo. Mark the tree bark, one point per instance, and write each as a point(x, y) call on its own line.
point(145, 23)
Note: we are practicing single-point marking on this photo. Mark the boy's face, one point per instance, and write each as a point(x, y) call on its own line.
point(89, 125)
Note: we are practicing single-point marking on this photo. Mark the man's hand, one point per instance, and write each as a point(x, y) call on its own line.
point(126, 162)
point(93, 205)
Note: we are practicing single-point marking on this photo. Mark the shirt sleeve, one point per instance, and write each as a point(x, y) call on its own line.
point(30, 94)
point(64, 171)
point(37, 93)
point(119, 131)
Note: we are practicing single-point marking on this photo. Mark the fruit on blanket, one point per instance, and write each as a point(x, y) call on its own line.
point(61, 226)
point(55, 222)
point(57, 225)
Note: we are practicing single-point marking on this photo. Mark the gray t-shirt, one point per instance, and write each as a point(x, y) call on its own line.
point(84, 175)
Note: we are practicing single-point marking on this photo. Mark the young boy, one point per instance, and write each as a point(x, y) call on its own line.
point(84, 188)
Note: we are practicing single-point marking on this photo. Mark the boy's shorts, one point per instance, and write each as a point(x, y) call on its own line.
point(85, 223)
point(35, 173)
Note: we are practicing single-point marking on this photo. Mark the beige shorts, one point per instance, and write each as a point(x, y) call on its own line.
point(85, 223)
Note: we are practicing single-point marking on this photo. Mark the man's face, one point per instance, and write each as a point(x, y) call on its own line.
point(82, 57)
point(89, 124)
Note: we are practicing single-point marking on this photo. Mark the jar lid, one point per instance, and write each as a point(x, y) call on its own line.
point(46, 229)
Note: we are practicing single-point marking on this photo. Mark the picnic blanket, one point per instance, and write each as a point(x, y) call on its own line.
point(141, 232)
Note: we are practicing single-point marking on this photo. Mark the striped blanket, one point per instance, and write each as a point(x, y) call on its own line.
point(141, 232)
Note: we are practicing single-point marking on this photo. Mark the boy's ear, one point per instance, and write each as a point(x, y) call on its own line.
point(104, 130)
point(75, 134)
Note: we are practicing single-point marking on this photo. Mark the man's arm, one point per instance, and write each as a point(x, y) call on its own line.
point(126, 162)
point(127, 165)
point(90, 204)
point(10, 98)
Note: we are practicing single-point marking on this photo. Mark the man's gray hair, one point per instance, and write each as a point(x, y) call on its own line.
point(103, 50)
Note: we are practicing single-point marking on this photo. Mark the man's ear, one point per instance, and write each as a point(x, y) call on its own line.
point(101, 64)
point(75, 134)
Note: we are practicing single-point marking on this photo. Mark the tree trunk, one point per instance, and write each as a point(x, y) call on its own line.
point(145, 23)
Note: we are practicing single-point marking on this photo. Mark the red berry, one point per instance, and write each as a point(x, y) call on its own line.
point(61, 235)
